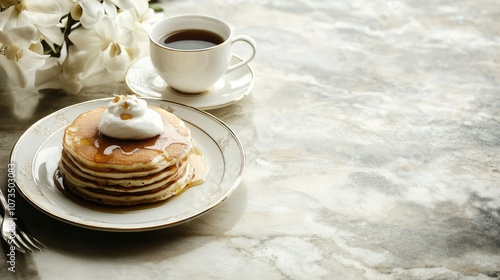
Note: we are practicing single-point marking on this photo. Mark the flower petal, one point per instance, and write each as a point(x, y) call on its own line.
point(65, 6)
point(125, 4)
point(92, 9)
point(31, 60)
point(106, 29)
point(8, 18)
point(115, 63)
point(42, 6)
point(17, 75)
point(85, 39)
point(110, 8)
point(53, 77)
point(52, 35)
point(22, 37)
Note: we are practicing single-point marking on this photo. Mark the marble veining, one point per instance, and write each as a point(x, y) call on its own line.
point(372, 141)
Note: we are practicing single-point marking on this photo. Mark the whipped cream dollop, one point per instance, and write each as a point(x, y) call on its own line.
point(128, 117)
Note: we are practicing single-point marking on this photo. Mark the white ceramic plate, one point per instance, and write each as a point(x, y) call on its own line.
point(37, 153)
point(142, 79)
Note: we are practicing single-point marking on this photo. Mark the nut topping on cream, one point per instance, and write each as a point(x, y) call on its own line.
point(128, 117)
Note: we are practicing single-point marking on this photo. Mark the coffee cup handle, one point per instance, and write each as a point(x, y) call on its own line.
point(251, 42)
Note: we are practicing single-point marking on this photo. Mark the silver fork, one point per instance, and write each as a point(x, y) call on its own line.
point(11, 232)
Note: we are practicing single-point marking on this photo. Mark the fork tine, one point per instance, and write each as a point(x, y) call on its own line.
point(28, 236)
point(26, 246)
point(18, 247)
point(31, 240)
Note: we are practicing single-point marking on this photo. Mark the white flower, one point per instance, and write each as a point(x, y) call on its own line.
point(44, 15)
point(58, 73)
point(141, 16)
point(103, 47)
point(20, 53)
point(53, 77)
point(84, 11)
point(87, 12)
point(88, 39)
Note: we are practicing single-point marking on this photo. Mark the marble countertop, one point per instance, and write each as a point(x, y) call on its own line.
point(372, 141)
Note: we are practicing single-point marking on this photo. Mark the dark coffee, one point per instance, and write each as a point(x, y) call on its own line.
point(191, 39)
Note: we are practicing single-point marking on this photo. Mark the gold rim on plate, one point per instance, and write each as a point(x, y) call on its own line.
point(37, 153)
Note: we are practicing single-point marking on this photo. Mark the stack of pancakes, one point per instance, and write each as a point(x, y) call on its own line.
point(126, 172)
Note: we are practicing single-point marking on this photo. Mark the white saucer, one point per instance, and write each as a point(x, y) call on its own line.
point(142, 79)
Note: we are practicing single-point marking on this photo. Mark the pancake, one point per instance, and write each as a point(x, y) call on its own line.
point(123, 179)
point(126, 199)
point(121, 172)
point(95, 151)
point(128, 185)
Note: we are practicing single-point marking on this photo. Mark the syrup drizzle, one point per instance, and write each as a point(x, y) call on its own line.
point(105, 145)
point(170, 136)
point(198, 162)
point(109, 150)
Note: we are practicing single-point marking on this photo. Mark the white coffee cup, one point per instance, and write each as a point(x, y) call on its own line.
point(194, 69)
